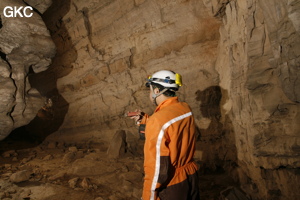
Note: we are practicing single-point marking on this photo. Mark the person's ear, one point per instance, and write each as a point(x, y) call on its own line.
point(156, 91)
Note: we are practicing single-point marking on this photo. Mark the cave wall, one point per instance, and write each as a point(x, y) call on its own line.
point(107, 49)
point(258, 63)
point(240, 66)
point(25, 47)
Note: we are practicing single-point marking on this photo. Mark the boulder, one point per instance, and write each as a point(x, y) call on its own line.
point(20, 176)
point(117, 146)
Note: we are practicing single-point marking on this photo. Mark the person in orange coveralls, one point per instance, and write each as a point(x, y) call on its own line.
point(170, 172)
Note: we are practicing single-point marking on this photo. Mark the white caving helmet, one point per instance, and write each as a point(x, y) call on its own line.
point(169, 80)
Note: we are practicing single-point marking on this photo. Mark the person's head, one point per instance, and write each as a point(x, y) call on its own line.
point(163, 84)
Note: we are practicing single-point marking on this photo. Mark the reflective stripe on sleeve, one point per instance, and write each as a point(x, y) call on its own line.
point(158, 143)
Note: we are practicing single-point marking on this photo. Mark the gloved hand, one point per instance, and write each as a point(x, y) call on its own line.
point(137, 116)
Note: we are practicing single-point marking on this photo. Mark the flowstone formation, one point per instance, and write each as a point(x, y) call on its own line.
point(25, 47)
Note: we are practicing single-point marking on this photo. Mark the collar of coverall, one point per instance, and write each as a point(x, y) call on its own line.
point(166, 103)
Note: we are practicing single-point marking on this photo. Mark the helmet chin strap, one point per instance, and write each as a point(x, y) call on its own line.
point(154, 96)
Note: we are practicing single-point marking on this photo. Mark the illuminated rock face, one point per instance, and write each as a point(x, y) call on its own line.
point(258, 64)
point(106, 50)
point(240, 66)
point(25, 47)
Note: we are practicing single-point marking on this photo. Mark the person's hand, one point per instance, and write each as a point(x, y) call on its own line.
point(137, 116)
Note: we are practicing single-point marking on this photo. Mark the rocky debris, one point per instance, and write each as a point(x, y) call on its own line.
point(132, 176)
point(48, 157)
point(233, 193)
point(47, 175)
point(69, 157)
point(10, 153)
point(59, 175)
point(117, 145)
point(52, 145)
point(86, 183)
point(14, 159)
point(73, 182)
point(20, 176)
point(91, 176)
point(72, 154)
point(11, 191)
point(73, 149)
point(25, 160)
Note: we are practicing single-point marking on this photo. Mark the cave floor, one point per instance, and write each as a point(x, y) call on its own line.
point(56, 172)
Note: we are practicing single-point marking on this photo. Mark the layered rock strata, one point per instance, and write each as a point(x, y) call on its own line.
point(258, 63)
point(107, 49)
point(240, 66)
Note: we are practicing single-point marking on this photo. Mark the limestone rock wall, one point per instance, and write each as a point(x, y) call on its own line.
point(107, 49)
point(258, 63)
point(240, 65)
point(25, 46)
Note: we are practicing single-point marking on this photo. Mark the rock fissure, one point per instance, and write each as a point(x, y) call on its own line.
point(34, 9)
point(87, 24)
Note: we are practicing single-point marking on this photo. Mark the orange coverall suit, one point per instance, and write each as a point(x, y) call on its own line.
point(170, 172)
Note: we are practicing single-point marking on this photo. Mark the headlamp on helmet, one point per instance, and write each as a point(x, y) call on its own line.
point(166, 79)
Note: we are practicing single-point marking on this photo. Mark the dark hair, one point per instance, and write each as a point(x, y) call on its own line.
point(167, 93)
